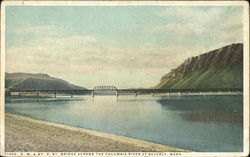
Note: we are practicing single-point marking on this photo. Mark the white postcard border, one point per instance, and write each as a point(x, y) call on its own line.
point(133, 3)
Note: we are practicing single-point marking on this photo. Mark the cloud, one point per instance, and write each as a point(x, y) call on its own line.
point(47, 30)
point(46, 35)
point(191, 13)
point(81, 52)
point(84, 53)
point(210, 25)
point(77, 54)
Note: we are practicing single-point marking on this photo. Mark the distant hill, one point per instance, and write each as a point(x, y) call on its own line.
point(220, 68)
point(36, 81)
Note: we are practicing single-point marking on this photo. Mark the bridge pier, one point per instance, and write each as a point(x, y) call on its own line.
point(7, 93)
point(117, 94)
point(71, 94)
point(37, 94)
point(55, 94)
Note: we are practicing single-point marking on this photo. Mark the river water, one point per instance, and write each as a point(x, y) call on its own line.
point(207, 123)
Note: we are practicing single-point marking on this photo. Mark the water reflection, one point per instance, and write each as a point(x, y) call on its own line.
point(42, 100)
point(201, 123)
point(206, 108)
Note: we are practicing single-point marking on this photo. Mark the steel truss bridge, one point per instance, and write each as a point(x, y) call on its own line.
point(112, 90)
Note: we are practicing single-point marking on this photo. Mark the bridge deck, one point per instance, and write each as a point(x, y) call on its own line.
point(129, 90)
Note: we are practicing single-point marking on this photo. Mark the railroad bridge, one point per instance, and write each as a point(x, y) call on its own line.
point(112, 90)
point(105, 90)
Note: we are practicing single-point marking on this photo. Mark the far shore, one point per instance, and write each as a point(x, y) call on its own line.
point(24, 134)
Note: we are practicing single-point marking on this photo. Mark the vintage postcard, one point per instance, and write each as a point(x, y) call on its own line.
point(124, 78)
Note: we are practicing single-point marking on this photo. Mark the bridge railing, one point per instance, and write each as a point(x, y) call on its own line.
point(180, 90)
point(50, 91)
point(116, 91)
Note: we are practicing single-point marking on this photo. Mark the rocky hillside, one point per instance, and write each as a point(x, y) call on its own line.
point(36, 81)
point(220, 68)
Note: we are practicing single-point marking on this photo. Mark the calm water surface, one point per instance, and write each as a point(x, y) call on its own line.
point(200, 123)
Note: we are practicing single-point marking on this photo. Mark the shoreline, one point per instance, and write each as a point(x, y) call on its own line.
point(24, 134)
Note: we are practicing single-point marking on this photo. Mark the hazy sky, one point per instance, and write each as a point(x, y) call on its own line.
point(125, 46)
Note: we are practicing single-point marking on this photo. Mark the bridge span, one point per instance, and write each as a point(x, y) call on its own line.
point(112, 90)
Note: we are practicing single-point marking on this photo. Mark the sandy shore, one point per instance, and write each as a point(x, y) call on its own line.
point(25, 134)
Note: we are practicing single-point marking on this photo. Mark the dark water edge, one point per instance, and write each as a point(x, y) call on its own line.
point(188, 116)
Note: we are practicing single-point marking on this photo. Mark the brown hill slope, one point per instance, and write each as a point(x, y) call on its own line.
point(220, 68)
point(36, 81)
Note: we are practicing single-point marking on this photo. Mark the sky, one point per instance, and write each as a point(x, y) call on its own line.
point(124, 46)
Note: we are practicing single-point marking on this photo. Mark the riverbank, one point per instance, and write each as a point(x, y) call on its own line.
point(23, 134)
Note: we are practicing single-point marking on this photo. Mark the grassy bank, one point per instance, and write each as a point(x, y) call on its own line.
point(30, 135)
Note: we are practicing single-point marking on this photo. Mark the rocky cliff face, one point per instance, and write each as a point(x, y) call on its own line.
point(36, 81)
point(221, 68)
